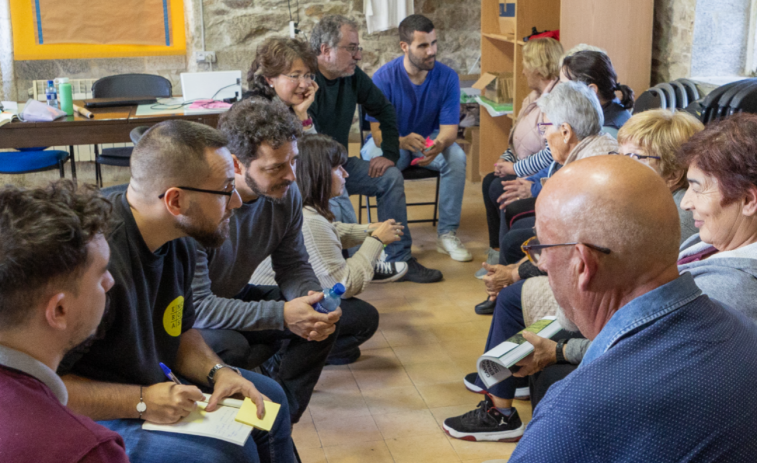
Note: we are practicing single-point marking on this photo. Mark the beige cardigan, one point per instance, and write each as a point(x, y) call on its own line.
point(324, 242)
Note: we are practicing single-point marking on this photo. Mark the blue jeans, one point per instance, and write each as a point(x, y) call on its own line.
point(165, 447)
point(450, 164)
point(389, 190)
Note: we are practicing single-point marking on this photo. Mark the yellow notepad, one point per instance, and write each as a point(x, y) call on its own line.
point(248, 414)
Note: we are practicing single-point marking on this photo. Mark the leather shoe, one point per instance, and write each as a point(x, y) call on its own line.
point(486, 307)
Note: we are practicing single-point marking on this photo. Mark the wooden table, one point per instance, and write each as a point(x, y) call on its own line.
point(110, 125)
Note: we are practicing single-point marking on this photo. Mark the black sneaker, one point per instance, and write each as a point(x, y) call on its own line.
point(420, 274)
point(485, 423)
point(486, 307)
point(470, 383)
point(386, 272)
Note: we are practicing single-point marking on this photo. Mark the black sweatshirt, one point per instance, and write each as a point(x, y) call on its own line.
point(334, 108)
point(150, 307)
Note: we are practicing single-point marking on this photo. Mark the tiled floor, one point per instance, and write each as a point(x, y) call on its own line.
point(389, 405)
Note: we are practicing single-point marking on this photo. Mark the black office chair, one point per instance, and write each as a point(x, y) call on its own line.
point(409, 174)
point(125, 85)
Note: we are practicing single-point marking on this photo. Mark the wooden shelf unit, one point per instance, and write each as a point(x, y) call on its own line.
point(622, 27)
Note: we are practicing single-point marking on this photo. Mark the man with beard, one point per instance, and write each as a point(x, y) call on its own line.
point(341, 86)
point(246, 324)
point(426, 96)
point(53, 280)
point(181, 187)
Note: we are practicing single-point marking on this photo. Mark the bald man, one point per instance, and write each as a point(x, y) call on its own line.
point(670, 373)
point(182, 186)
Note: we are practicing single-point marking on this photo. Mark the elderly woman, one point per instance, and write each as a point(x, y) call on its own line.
point(572, 125)
point(722, 257)
point(541, 58)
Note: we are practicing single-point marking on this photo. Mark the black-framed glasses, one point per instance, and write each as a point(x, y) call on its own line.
point(353, 49)
point(229, 194)
point(532, 248)
point(542, 127)
point(637, 157)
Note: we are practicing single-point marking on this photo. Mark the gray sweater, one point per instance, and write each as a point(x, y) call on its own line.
point(258, 229)
point(729, 277)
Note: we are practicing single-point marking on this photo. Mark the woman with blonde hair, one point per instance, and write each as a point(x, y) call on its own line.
point(285, 68)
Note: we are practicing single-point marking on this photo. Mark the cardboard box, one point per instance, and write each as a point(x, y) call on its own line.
point(497, 87)
point(507, 17)
point(471, 147)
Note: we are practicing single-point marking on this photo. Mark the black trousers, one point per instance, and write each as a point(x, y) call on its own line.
point(298, 362)
point(539, 383)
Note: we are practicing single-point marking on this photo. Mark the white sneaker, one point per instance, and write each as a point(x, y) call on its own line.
point(449, 243)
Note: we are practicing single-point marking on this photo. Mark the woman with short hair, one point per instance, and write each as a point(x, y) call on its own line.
point(320, 177)
point(285, 68)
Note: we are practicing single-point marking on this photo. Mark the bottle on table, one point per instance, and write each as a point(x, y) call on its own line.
point(331, 299)
point(65, 95)
point(51, 94)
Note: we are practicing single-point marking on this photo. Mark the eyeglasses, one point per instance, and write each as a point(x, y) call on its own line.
point(229, 194)
point(304, 78)
point(353, 49)
point(636, 157)
point(542, 127)
point(532, 248)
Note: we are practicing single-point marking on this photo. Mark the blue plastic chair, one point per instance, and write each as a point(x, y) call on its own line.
point(29, 160)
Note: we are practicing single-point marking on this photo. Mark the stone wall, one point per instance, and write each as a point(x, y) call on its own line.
point(234, 28)
point(673, 39)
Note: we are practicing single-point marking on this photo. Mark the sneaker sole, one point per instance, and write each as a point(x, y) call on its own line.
point(389, 280)
point(472, 387)
point(522, 393)
point(503, 436)
point(441, 250)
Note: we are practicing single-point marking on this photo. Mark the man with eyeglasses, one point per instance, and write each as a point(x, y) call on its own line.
point(342, 86)
point(182, 186)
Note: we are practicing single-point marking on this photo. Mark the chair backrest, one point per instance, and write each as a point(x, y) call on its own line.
point(670, 95)
point(682, 94)
point(653, 98)
point(132, 85)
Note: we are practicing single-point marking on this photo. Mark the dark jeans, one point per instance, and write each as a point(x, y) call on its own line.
point(492, 188)
point(298, 364)
point(509, 247)
point(359, 322)
point(507, 321)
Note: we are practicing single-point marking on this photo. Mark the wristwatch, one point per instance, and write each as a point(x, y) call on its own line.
point(559, 352)
point(141, 406)
point(307, 122)
point(214, 370)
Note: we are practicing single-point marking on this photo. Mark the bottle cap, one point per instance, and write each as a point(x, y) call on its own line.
point(61, 80)
point(338, 289)
point(50, 82)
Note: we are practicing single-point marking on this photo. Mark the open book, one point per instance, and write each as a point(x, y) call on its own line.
point(220, 424)
point(494, 366)
point(9, 113)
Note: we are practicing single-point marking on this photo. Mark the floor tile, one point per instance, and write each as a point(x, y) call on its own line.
point(359, 452)
point(445, 394)
point(422, 449)
point(440, 371)
point(336, 380)
point(347, 430)
point(305, 436)
point(468, 450)
point(393, 400)
point(377, 341)
point(311, 455)
point(415, 423)
point(409, 336)
point(423, 353)
point(328, 405)
point(455, 332)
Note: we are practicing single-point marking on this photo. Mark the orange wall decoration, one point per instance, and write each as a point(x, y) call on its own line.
point(70, 29)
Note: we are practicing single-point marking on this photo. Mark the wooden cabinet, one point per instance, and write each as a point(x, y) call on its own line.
point(622, 27)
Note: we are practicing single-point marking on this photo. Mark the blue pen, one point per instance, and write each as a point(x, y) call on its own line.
point(169, 374)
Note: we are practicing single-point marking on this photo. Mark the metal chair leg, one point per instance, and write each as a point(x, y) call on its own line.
point(368, 208)
point(359, 208)
point(436, 203)
point(62, 170)
point(98, 174)
point(73, 162)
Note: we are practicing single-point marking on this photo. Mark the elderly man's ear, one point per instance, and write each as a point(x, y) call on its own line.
point(587, 266)
point(749, 208)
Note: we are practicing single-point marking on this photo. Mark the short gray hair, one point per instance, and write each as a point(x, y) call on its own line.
point(575, 104)
point(329, 31)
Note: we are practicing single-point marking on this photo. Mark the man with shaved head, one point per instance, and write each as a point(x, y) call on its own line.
point(670, 373)
point(182, 187)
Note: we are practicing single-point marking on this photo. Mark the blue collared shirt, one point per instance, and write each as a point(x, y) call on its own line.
point(672, 377)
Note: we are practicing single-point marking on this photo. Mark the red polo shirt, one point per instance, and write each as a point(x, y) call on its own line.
point(36, 427)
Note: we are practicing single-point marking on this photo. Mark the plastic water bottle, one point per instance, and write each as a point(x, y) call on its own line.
point(51, 94)
point(331, 299)
point(65, 96)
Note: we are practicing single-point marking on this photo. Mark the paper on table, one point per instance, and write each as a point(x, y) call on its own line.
point(219, 424)
point(494, 109)
point(248, 414)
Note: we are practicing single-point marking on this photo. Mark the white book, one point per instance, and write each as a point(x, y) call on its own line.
point(219, 424)
point(494, 366)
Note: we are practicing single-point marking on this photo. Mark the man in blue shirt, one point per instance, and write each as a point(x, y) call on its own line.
point(670, 373)
point(426, 96)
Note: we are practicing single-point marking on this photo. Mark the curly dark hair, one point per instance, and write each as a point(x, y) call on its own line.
point(726, 150)
point(274, 57)
point(319, 155)
point(251, 122)
point(45, 232)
